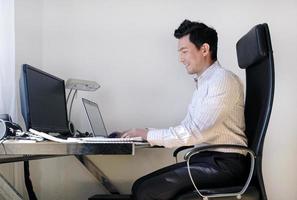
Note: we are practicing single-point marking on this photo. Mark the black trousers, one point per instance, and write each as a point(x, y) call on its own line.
point(209, 169)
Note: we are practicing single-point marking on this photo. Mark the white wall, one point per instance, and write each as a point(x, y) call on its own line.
point(128, 47)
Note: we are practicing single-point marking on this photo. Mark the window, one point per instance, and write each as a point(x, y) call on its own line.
point(7, 59)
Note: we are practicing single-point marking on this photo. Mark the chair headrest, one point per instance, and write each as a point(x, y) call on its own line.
point(252, 47)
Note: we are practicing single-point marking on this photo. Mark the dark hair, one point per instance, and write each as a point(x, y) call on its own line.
point(199, 34)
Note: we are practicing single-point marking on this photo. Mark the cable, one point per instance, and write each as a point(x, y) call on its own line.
point(4, 149)
point(28, 182)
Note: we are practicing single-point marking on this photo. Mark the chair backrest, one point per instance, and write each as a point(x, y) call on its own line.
point(254, 54)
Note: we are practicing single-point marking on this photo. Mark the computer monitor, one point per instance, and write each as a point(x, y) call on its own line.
point(43, 101)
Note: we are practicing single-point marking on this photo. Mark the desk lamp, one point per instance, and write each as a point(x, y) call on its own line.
point(75, 85)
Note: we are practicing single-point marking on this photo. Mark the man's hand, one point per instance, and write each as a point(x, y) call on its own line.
point(135, 133)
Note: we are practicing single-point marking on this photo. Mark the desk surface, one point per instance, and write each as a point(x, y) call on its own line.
point(12, 151)
point(11, 147)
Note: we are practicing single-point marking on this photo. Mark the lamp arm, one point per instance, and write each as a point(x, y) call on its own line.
point(70, 108)
point(68, 96)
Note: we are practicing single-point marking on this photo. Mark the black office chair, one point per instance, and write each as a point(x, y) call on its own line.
point(254, 53)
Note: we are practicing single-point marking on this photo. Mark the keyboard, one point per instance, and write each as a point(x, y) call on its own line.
point(106, 140)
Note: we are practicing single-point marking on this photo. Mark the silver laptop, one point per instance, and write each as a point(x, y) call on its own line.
point(95, 118)
point(98, 126)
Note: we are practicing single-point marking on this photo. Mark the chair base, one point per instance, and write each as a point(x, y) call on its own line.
point(251, 194)
point(110, 196)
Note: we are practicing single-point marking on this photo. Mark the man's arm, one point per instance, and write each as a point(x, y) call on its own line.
point(195, 129)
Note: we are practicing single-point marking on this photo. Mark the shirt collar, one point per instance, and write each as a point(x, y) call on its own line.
point(208, 72)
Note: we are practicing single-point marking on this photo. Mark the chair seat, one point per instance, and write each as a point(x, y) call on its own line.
point(251, 194)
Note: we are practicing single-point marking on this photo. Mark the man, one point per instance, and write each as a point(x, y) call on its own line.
point(215, 116)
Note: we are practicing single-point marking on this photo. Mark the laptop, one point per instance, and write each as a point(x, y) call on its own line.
point(98, 126)
point(95, 118)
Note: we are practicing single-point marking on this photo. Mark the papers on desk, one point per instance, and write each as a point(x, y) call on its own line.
point(86, 139)
point(20, 141)
point(48, 137)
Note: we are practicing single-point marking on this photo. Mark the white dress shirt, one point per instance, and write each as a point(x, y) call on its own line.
point(215, 114)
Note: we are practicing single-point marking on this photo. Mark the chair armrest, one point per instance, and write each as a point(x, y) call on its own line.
point(179, 149)
point(216, 146)
point(197, 150)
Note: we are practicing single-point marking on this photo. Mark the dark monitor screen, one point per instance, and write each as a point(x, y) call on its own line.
point(43, 101)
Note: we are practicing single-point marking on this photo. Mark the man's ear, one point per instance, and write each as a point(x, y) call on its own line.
point(205, 49)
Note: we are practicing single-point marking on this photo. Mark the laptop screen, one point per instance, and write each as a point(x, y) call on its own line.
point(95, 118)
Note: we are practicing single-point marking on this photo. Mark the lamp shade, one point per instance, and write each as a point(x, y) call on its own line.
point(85, 85)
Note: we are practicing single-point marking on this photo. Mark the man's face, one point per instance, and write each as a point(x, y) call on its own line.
point(193, 58)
